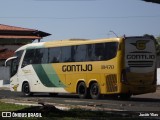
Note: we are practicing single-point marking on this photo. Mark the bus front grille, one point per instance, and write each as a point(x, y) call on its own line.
point(140, 63)
point(111, 82)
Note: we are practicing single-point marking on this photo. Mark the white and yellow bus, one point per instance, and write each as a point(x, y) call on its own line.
point(89, 68)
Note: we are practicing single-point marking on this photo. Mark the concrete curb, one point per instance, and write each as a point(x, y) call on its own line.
point(32, 103)
point(58, 106)
point(5, 87)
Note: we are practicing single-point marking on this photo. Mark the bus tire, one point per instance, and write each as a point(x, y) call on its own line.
point(94, 91)
point(82, 90)
point(26, 89)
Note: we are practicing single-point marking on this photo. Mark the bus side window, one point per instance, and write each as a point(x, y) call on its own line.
point(41, 56)
point(80, 53)
point(66, 54)
point(99, 51)
point(105, 51)
point(54, 55)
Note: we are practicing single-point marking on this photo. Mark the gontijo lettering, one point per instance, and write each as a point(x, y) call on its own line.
point(143, 57)
point(76, 68)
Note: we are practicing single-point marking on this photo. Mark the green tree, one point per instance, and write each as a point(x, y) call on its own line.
point(158, 45)
point(158, 39)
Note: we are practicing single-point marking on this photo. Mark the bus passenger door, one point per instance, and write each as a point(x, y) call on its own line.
point(28, 75)
point(14, 83)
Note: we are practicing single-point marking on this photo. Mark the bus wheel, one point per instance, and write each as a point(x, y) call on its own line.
point(82, 90)
point(26, 89)
point(94, 90)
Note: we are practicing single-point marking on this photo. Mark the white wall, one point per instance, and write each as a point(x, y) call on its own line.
point(158, 70)
point(158, 76)
point(5, 74)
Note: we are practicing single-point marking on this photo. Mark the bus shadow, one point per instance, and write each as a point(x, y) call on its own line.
point(145, 99)
point(45, 95)
point(134, 99)
point(8, 94)
point(110, 98)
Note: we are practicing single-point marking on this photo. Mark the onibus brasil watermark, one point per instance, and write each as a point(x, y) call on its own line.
point(148, 114)
point(21, 115)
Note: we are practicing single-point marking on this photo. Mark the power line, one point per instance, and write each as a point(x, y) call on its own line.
point(110, 17)
point(65, 0)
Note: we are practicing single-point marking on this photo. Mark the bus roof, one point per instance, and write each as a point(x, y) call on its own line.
point(66, 43)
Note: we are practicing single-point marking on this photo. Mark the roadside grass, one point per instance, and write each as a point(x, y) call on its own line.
point(50, 112)
point(11, 107)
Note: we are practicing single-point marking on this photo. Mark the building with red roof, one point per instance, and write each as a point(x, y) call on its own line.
point(11, 38)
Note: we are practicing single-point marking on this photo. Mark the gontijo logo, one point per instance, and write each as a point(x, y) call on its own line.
point(140, 44)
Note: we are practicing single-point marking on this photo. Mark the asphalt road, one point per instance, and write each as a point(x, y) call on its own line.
point(146, 102)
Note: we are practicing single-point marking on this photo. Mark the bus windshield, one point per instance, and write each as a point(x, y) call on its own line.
point(15, 63)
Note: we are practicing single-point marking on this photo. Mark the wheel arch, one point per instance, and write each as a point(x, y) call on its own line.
point(92, 81)
point(98, 93)
point(25, 81)
point(79, 81)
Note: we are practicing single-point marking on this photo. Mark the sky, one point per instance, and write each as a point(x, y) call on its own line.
point(87, 19)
